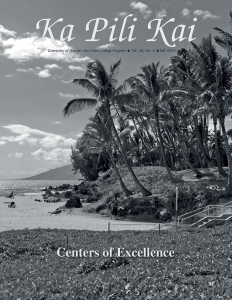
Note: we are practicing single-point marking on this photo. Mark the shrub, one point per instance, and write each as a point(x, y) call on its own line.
point(186, 199)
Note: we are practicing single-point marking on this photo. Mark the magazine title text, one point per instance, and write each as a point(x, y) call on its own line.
point(126, 33)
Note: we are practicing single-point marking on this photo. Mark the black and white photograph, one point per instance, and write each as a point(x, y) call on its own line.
point(115, 150)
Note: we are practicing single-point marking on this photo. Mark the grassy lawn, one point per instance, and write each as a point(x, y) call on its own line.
point(200, 268)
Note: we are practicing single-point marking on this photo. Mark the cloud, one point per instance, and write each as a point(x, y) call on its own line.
point(66, 82)
point(38, 71)
point(123, 14)
point(21, 139)
point(24, 48)
point(106, 46)
point(6, 32)
point(76, 68)
point(57, 122)
point(143, 8)
point(18, 155)
point(44, 73)
point(55, 155)
point(25, 70)
point(52, 66)
point(2, 143)
point(10, 75)
point(188, 2)
point(55, 141)
point(161, 14)
point(67, 95)
point(9, 154)
point(205, 14)
point(185, 12)
point(48, 140)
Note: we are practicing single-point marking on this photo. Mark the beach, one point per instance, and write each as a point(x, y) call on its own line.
point(33, 214)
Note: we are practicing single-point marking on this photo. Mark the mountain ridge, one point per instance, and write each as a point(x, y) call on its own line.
point(61, 173)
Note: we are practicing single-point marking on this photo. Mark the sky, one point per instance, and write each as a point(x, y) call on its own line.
point(37, 84)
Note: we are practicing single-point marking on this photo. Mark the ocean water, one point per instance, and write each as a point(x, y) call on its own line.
point(29, 186)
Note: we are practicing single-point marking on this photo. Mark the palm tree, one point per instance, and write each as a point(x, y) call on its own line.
point(102, 84)
point(98, 137)
point(152, 86)
point(225, 39)
point(183, 67)
point(133, 113)
point(215, 73)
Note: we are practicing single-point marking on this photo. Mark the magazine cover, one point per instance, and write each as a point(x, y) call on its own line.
point(115, 149)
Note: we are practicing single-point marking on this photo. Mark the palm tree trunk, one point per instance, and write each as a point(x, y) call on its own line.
point(207, 159)
point(217, 152)
point(228, 154)
point(124, 188)
point(143, 142)
point(147, 131)
point(156, 114)
point(185, 154)
point(143, 190)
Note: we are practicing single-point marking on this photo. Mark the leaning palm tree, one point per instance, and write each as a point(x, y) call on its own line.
point(98, 137)
point(102, 84)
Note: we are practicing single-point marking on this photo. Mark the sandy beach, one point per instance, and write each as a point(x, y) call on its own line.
point(32, 214)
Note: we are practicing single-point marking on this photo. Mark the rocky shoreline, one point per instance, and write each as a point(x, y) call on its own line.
point(150, 208)
point(99, 195)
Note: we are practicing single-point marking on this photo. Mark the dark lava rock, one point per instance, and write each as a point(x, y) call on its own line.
point(47, 194)
point(67, 194)
point(38, 200)
point(74, 201)
point(63, 187)
point(91, 199)
point(57, 211)
point(75, 187)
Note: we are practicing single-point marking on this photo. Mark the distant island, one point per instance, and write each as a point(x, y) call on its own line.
point(62, 173)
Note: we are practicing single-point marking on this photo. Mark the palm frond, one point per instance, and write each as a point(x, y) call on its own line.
point(76, 105)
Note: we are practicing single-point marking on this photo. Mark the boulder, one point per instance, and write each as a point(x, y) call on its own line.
point(63, 187)
point(52, 199)
point(47, 194)
point(57, 211)
point(74, 201)
point(75, 188)
point(91, 199)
